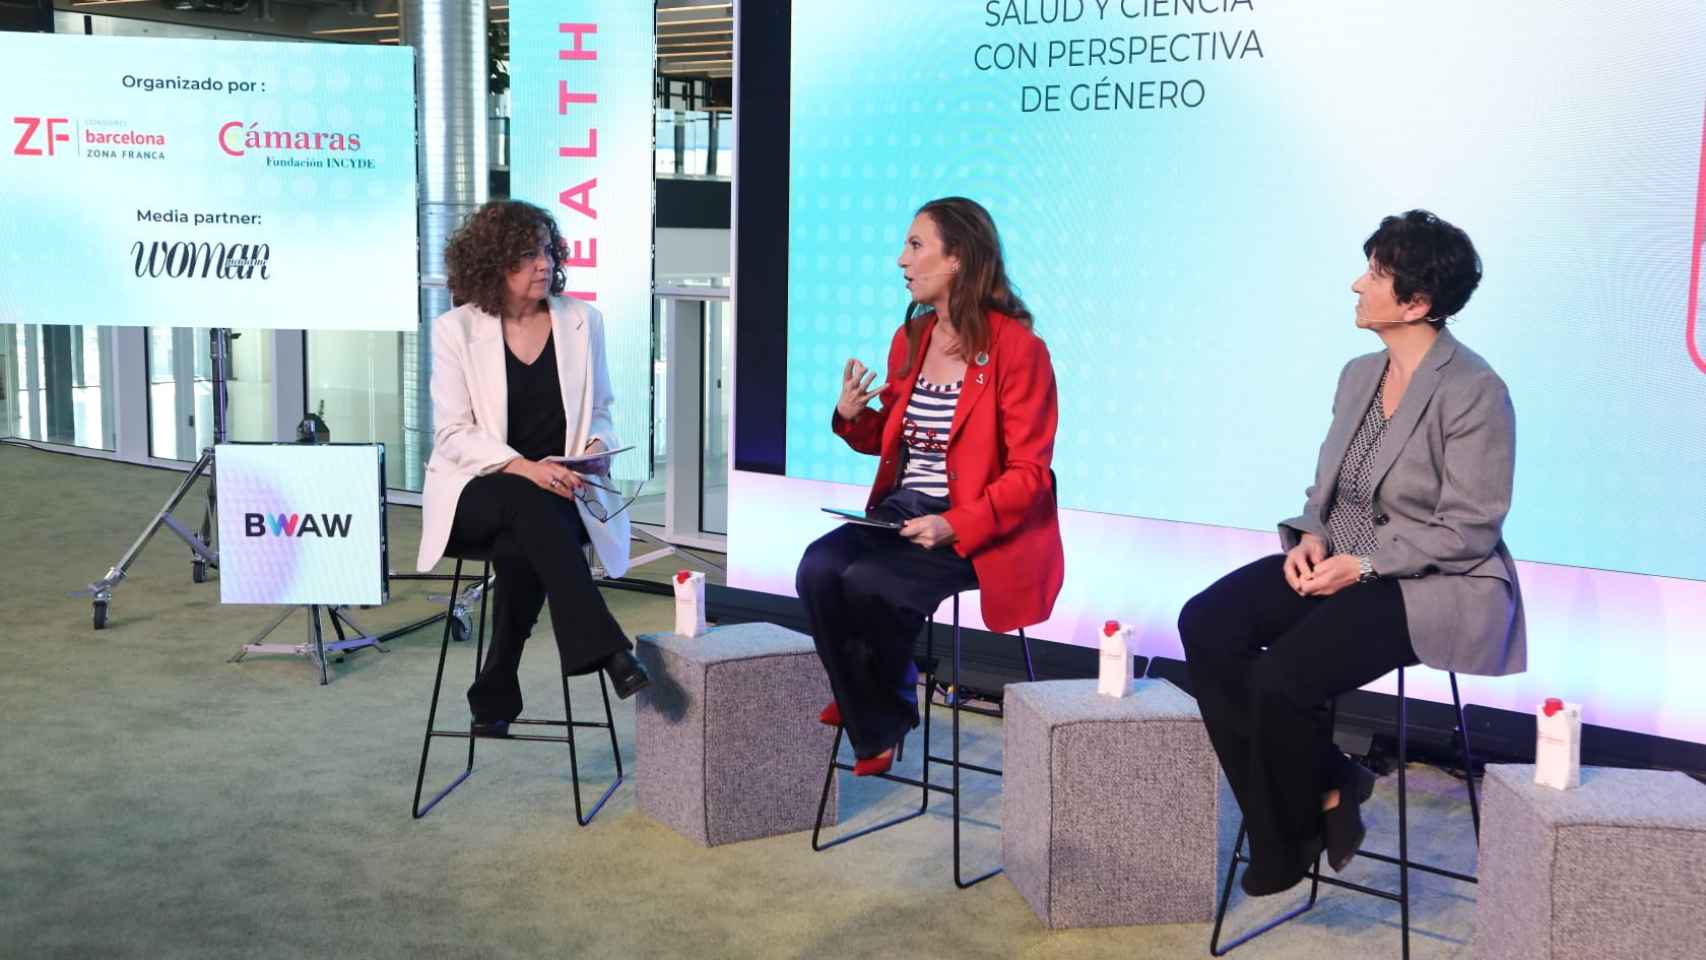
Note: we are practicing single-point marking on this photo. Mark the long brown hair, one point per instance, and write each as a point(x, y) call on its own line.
point(980, 285)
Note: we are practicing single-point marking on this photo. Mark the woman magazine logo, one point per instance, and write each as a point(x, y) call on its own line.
point(297, 525)
point(222, 261)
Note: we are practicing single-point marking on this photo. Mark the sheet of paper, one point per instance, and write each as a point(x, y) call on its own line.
point(589, 457)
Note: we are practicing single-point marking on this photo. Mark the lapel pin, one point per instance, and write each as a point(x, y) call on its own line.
point(979, 360)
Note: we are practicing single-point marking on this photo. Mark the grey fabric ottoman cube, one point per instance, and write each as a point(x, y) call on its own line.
point(1613, 868)
point(727, 735)
point(1109, 807)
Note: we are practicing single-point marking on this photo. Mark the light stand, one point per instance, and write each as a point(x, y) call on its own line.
point(316, 648)
point(203, 547)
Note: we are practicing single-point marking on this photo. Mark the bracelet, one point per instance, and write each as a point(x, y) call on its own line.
point(1365, 570)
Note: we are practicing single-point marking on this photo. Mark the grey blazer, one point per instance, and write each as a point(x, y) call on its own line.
point(1442, 487)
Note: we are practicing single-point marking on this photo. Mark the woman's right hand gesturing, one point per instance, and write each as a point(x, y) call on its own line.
point(551, 477)
point(1300, 560)
point(856, 389)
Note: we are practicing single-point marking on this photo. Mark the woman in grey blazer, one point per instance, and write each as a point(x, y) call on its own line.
point(1396, 559)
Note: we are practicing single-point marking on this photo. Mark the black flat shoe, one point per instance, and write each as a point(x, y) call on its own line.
point(1343, 824)
point(489, 728)
point(1258, 882)
point(626, 673)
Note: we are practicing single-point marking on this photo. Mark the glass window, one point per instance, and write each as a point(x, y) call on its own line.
point(694, 143)
point(52, 375)
point(649, 507)
point(664, 144)
point(359, 383)
point(376, 387)
point(725, 124)
point(180, 390)
point(10, 388)
point(714, 464)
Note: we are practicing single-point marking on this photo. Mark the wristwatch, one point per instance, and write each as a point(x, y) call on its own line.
point(1365, 570)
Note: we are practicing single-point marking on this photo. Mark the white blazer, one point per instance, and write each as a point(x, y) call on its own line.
point(470, 408)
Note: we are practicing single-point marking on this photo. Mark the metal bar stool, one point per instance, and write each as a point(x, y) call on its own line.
point(1402, 861)
point(924, 785)
point(569, 723)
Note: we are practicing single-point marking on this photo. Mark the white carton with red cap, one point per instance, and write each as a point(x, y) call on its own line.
point(1558, 745)
point(1116, 673)
point(689, 603)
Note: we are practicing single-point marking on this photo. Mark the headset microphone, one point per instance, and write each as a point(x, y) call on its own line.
point(1447, 319)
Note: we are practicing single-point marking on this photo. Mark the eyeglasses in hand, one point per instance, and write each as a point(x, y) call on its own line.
point(595, 506)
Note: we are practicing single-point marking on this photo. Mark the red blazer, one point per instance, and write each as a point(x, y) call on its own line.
point(999, 450)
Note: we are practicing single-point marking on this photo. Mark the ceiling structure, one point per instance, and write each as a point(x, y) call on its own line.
point(695, 38)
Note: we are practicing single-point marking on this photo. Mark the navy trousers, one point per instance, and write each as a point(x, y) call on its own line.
point(867, 592)
point(1264, 662)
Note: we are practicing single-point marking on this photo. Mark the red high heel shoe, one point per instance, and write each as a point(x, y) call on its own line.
point(831, 715)
point(874, 765)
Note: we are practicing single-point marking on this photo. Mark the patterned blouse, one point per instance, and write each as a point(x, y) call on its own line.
point(1350, 522)
point(924, 431)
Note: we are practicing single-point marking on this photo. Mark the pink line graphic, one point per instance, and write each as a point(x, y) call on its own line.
point(1694, 351)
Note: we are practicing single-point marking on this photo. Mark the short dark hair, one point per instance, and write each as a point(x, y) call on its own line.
point(492, 242)
point(1426, 257)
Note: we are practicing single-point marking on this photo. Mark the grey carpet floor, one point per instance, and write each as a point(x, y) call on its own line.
point(161, 802)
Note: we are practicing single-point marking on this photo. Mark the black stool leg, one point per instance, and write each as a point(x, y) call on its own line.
point(818, 843)
point(1025, 648)
point(574, 761)
point(1468, 759)
point(1401, 861)
point(1214, 947)
point(929, 701)
point(437, 684)
point(958, 881)
point(1403, 817)
point(823, 801)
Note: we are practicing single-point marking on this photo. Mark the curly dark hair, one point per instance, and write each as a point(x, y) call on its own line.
point(494, 240)
point(1426, 257)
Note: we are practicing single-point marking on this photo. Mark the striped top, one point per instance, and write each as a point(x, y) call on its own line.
point(924, 431)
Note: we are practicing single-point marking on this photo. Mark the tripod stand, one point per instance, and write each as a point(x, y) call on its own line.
point(316, 648)
point(203, 549)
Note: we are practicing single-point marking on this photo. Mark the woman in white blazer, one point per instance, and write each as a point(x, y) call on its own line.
point(518, 375)
point(1397, 558)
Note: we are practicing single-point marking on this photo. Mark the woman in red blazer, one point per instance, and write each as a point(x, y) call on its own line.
point(966, 436)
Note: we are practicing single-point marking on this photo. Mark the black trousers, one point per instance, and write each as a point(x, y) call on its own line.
point(535, 540)
point(1264, 662)
point(867, 592)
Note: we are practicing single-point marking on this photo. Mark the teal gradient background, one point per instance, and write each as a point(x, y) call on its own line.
point(342, 241)
point(621, 78)
point(1190, 268)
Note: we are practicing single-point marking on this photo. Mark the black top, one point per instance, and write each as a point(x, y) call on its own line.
point(536, 423)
